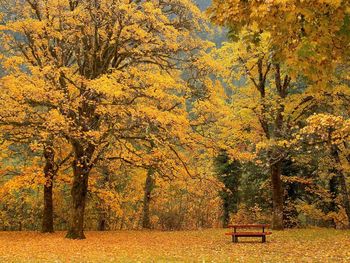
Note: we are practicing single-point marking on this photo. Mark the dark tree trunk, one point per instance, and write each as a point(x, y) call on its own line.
point(345, 195)
point(47, 225)
point(342, 182)
point(333, 189)
point(78, 192)
point(149, 185)
point(81, 171)
point(277, 196)
point(226, 212)
point(278, 154)
point(101, 224)
point(49, 172)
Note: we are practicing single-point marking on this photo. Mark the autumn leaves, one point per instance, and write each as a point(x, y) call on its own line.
point(287, 55)
point(101, 79)
point(119, 85)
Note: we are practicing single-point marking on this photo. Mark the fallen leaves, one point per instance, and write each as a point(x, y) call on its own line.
point(302, 245)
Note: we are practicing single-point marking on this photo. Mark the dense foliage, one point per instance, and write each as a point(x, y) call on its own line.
point(120, 114)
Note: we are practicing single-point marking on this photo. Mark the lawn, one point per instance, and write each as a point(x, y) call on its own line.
point(303, 245)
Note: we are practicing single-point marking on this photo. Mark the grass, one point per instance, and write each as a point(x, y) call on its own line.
point(300, 245)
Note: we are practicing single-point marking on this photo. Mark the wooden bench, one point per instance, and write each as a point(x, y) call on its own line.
point(236, 234)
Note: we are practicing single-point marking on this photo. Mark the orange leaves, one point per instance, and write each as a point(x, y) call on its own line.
point(306, 245)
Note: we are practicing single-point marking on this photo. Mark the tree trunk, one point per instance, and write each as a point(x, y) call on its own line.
point(78, 192)
point(277, 157)
point(277, 196)
point(49, 172)
point(345, 195)
point(342, 182)
point(226, 212)
point(333, 189)
point(146, 222)
point(101, 223)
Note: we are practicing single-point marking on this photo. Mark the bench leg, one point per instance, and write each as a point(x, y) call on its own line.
point(263, 239)
point(234, 239)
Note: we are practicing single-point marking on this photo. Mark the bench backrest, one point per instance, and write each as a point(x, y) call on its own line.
point(250, 226)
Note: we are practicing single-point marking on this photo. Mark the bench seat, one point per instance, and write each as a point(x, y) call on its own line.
point(248, 234)
point(235, 235)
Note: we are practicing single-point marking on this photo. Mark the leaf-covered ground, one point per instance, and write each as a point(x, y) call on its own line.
point(306, 245)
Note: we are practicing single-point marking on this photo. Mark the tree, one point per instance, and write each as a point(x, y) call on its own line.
point(331, 133)
point(304, 34)
point(229, 173)
point(149, 185)
point(105, 71)
point(261, 104)
point(275, 43)
point(22, 124)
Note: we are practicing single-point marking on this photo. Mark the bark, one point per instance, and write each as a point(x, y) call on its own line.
point(146, 222)
point(87, 120)
point(277, 196)
point(78, 192)
point(49, 172)
point(226, 213)
point(277, 156)
point(101, 224)
point(103, 212)
point(333, 189)
point(342, 182)
point(81, 171)
point(345, 195)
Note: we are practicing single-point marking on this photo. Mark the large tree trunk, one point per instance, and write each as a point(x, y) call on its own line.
point(49, 172)
point(79, 191)
point(87, 120)
point(146, 222)
point(277, 196)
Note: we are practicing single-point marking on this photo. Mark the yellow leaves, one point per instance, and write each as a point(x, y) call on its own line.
point(55, 123)
point(28, 178)
point(36, 146)
point(311, 211)
point(318, 245)
point(109, 84)
point(329, 127)
point(290, 23)
point(24, 26)
point(13, 62)
point(333, 3)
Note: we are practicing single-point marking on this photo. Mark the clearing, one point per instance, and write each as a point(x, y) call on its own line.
point(302, 245)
